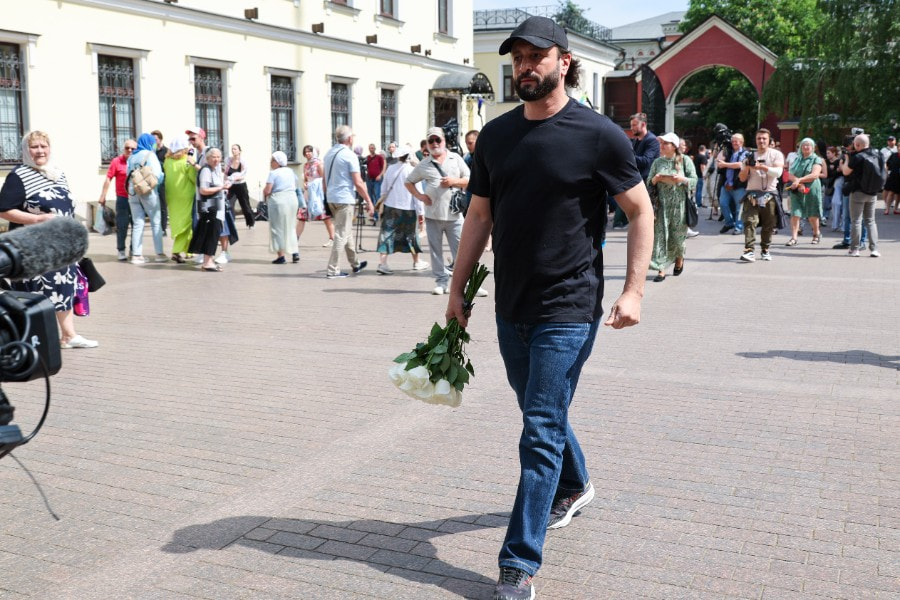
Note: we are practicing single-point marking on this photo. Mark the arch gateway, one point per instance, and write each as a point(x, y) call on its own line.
point(713, 43)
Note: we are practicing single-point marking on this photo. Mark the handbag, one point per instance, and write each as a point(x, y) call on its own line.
point(95, 279)
point(691, 217)
point(457, 198)
point(80, 304)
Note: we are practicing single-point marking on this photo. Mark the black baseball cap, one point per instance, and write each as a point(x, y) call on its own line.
point(537, 31)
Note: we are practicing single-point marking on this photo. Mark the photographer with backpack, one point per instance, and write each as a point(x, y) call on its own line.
point(864, 174)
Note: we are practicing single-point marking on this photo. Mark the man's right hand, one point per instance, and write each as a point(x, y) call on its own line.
point(102, 201)
point(455, 309)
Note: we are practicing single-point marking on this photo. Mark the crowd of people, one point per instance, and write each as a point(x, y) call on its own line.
point(757, 189)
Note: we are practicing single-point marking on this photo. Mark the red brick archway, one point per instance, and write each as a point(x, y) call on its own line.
point(713, 43)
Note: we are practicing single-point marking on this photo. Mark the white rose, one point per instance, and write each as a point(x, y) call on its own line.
point(418, 377)
point(426, 392)
point(397, 373)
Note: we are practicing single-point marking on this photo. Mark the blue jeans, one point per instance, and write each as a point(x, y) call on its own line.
point(543, 362)
point(730, 204)
point(845, 215)
point(698, 194)
point(123, 220)
point(374, 189)
point(142, 206)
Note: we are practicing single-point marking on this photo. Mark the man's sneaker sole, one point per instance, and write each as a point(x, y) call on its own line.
point(582, 501)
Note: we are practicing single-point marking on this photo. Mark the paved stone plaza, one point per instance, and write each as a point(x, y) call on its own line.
point(235, 435)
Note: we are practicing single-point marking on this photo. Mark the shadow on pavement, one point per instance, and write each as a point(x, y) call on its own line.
point(850, 357)
point(402, 549)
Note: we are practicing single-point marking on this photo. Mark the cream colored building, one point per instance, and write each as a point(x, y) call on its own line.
point(597, 55)
point(92, 73)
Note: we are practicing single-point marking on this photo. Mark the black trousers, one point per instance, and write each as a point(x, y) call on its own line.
point(239, 191)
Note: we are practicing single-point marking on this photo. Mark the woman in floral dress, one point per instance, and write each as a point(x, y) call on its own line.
point(314, 171)
point(674, 177)
point(34, 192)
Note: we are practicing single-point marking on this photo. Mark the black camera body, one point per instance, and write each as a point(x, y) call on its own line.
point(722, 134)
point(30, 319)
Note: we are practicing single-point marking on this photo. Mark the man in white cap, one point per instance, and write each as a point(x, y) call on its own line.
point(540, 175)
point(441, 172)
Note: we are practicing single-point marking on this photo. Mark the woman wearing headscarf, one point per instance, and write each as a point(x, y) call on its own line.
point(281, 194)
point(402, 212)
point(145, 205)
point(674, 178)
point(181, 186)
point(212, 186)
point(32, 193)
point(806, 190)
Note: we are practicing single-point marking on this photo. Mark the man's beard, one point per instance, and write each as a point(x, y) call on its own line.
point(544, 87)
point(437, 151)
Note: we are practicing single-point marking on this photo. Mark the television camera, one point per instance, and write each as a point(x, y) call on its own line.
point(29, 335)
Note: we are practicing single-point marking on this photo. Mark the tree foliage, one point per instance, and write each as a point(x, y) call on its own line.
point(571, 17)
point(782, 26)
point(849, 72)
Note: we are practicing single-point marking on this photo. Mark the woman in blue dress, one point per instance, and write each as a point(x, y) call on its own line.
point(34, 192)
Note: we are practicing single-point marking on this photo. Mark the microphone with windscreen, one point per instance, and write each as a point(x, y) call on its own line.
point(30, 251)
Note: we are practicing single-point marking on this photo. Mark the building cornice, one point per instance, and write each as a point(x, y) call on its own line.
point(208, 20)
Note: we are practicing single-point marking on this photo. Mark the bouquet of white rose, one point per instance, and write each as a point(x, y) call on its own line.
point(437, 370)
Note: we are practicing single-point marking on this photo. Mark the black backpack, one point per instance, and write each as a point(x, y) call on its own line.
point(872, 173)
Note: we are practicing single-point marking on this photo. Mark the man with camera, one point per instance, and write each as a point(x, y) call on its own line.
point(844, 219)
point(734, 189)
point(761, 172)
point(864, 172)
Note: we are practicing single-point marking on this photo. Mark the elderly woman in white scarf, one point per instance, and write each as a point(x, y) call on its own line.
point(281, 196)
point(34, 192)
point(806, 190)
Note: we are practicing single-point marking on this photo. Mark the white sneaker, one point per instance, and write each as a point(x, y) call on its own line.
point(384, 270)
point(481, 293)
point(854, 252)
point(748, 256)
point(437, 291)
point(161, 258)
point(138, 260)
point(198, 260)
point(691, 233)
point(765, 256)
point(420, 265)
point(875, 254)
point(223, 259)
point(79, 342)
point(122, 255)
point(328, 244)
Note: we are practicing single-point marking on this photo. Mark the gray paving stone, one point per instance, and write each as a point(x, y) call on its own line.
point(736, 461)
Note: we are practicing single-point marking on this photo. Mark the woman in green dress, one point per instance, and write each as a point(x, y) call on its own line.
point(674, 177)
point(181, 184)
point(806, 190)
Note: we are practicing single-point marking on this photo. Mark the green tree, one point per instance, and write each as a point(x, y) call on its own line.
point(722, 95)
point(782, 26)
point(847, 74)
point(571, 17)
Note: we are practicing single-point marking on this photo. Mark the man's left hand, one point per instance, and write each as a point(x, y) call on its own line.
point(445, 182)
point(626, 312)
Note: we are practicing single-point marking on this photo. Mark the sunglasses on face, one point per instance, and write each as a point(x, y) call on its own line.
point(434, 140)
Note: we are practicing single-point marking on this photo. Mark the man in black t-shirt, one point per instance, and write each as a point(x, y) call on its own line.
point(539, 178)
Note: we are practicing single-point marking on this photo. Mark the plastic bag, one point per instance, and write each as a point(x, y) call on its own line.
point(99, 222)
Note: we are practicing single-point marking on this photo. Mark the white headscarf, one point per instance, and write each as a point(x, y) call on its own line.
point(280, 157)
point(51, 172)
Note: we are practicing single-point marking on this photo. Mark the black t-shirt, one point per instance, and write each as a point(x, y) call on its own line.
point(547, 181)
point(700, 160)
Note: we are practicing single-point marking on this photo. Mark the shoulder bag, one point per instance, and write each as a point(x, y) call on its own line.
point(458, 195)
